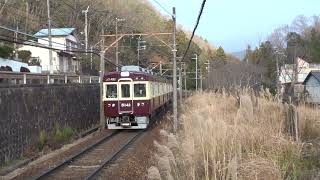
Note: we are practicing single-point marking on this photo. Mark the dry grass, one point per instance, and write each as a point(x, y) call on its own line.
point(222, 138)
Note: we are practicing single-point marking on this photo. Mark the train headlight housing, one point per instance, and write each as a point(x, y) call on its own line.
point(140, 104)
point(111, 105)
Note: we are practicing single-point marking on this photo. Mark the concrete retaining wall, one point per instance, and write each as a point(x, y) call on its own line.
point(26, 110)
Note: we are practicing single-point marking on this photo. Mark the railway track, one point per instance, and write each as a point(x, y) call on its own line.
point(87, 163)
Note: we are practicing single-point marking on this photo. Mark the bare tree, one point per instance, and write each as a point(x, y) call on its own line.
point(229, 75)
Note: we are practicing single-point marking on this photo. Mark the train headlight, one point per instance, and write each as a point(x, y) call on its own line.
point(140, 104)
point(111, 105)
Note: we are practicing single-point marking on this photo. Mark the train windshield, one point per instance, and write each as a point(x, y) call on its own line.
point(111, 91)
point(139, 90)
point(125, 90)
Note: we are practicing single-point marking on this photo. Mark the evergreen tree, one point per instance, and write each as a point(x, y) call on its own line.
point(314, 47)
point(220, 54)
point(6, 51)
point(248, 56)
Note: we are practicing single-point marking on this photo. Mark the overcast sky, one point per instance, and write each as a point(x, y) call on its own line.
point(233, 24)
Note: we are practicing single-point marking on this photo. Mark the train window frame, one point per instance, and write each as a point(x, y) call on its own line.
point(145, 90)
point(106, 93)
point(156, 89)
point(153, 90)
point(129, 90)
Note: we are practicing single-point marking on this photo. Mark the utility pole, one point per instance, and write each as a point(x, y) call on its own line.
point(140, 47)
point(174, 51)
point(91, 58)
point(27, 18)
point(86, 27)
point(49, 36)
point(185, 76)
point(201, 88)
point(278, 76)
point(196, 58)
point(139, 51)
point(160, 67)
point(15, 44)
point(180, 84)
point(102, 118)
point(117, 44)
point(208, 66)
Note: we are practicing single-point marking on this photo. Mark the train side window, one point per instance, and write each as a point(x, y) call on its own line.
point(139, 90)
point(125, 90)
point(152, 89)
point(111, 91)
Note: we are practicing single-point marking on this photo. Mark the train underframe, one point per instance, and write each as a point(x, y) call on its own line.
point(128, 121)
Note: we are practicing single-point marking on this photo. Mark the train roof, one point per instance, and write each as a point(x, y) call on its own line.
point(136, 69)
point(136, 73)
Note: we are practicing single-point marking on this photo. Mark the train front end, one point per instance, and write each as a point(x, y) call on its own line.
point(127, 100)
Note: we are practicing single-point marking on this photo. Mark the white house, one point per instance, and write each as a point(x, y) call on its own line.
point(64, 42)
point(287, 75)
point(312, 87)
point(304, 68)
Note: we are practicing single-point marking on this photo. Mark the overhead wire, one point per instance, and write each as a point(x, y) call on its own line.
point(162, 7)
point(36, 44)
point(195, 28)
point(33, 36)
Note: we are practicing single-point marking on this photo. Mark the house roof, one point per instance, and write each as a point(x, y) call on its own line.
point(315, 74)
point(55, 32)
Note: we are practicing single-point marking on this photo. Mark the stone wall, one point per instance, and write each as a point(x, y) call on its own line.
point(27, 109)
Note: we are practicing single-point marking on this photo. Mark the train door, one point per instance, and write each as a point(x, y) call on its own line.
point(125, 105)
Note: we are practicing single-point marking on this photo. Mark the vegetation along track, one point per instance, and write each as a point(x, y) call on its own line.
point(87, 163)
point(91, 160)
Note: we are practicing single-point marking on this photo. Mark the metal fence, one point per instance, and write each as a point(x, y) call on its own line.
point(33, 78)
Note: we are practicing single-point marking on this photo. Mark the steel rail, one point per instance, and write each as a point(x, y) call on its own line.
point(121, 150)
point(73, 157)
point(114, 156)
point(106, 161)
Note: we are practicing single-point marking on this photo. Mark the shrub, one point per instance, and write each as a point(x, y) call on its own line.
point(6, 51)
point(62, 135)
point(24, 55)
point(42, 139)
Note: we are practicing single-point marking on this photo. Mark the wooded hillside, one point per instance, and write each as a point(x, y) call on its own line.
point(139, 16)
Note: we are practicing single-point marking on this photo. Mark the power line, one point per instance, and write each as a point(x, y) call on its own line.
point(162, 7)
point(23, 33)
point(195, 28)
point(35, 44)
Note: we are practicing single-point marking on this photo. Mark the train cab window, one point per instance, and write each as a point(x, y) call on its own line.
point(111, 91)
point(125, 90)
point(139, 90)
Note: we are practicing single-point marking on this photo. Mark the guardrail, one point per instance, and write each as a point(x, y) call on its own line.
point(44, 78)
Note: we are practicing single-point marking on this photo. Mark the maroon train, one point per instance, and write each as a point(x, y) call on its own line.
point(132, 96)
